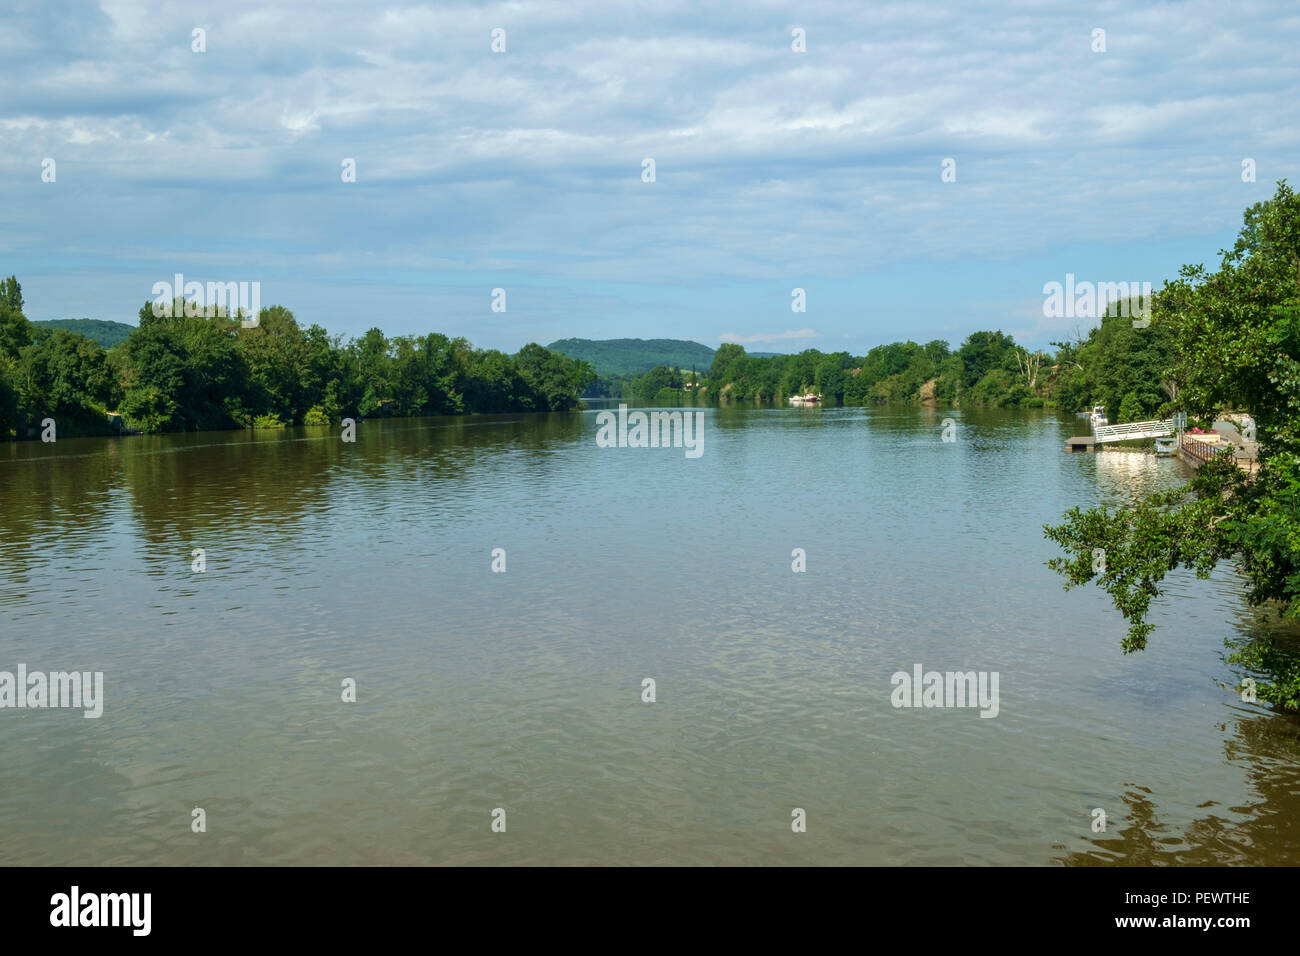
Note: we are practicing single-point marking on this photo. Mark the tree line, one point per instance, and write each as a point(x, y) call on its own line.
point(191, 372)
point(1127, 369)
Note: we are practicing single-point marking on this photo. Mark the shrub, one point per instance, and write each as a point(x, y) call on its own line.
point(316, 416)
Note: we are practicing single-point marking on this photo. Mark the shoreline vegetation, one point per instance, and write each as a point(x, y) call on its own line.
point(196, 372)
point(191, 372)
point(1234, 339)
point(1114, 364)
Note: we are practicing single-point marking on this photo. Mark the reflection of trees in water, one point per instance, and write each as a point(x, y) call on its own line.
point(1269, 650)
point(185, 486)
point(53, 496)
point(65, 503)
point(214, 483)
point(1265, 832)
point(209, 483)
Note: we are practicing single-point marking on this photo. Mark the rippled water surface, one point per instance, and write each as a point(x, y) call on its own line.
point(522, 690)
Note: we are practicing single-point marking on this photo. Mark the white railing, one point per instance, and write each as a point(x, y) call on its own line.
point(1133, 430)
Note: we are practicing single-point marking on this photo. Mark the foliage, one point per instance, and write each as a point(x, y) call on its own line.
point(1235, 335)
point(552, 381)
point(1114, 361)
point(1130, 409)
point(659, 385)
point(10, 417)
point(15, 330)
point(1265, 653)
point(988, 369)
point(67, 377)
point(316, 415)
point(187, 372)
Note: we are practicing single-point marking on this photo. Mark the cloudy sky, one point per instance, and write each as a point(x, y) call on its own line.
point(522, 170)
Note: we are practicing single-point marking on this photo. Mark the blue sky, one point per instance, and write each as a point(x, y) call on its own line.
point(521, 170)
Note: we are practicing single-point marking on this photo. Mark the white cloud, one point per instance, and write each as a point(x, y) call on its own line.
point(769, 163)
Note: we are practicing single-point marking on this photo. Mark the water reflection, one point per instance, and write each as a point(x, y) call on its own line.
point(1263, 829)
point(477, 689)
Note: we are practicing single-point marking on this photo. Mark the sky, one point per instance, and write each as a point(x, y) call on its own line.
point(775, 168)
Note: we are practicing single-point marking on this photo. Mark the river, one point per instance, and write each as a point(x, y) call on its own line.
point(477, 690)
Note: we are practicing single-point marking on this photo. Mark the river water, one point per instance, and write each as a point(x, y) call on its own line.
point(476, 690)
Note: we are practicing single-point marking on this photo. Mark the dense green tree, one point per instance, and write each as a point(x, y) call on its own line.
point(937, 351)
point(186, 373)
point(983, 352)
point(277, 358)
point(196, 371)
point(328, 382)
point(153, 375)
point(66, 377)
point(659, 379)
point(10, 417)
point(492, 383)
point(1130, 409)
point(374, 368)
point(15, 334)
point(1116, 360)
point(554, 380)
point(829, 380)
point(727, 362)
point(11, 295)
point(1236, 346)
point(15, 330)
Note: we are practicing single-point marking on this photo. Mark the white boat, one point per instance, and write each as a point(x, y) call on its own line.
point(1166, 446)
point(1098, 417)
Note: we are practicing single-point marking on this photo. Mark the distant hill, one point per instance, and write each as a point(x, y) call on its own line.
point(107, 334)
point(635, 356)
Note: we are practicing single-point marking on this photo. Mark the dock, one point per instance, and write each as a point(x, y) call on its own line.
point(1198, 449)
point(1194, 448)
point(1129, 432)
point(1135, 430)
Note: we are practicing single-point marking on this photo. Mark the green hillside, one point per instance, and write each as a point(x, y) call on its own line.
point(635, 356)
point(107, 334)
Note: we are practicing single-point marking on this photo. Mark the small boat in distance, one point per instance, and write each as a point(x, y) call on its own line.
point(1098, 416)
point(1166, 446)
point(809, 399)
